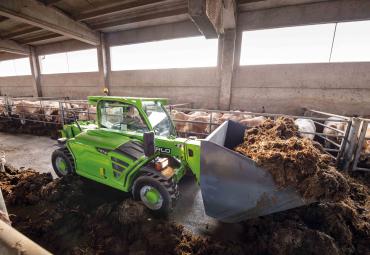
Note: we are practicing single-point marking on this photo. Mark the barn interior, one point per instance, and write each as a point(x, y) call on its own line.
point(265, 132)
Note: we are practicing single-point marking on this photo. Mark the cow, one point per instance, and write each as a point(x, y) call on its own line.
point(237, 116)
point(51, 110)
point(366, 147)
point(26, 109)
point(180, 125)
point(198, 113)
point(330, 133)
point(88, 114)
point(253, 121)
point(306, 125)
point(198, 128)
point(2, 107)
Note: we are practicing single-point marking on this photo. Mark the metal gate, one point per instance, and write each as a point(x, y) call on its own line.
point(361, 160)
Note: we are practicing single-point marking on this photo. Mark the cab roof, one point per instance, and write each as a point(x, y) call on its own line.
point(132, 100)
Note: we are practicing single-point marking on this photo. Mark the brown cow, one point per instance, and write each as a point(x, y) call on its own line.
point(253, 122)
point(200, 128)
point(176, 115)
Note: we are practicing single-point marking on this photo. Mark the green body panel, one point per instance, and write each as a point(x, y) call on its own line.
point(93, 147)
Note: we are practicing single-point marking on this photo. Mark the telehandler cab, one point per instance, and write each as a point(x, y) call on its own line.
point(133, 147)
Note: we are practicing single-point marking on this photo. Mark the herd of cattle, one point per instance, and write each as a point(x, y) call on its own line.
point(187, 123)
point(197, 122)
point(200, 122)
point(46, 110)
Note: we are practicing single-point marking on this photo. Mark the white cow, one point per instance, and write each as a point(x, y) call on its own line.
point(306, 125)
point(333, 122)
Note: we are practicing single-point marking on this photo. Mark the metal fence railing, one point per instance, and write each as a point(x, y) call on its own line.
point(361, 161)
point(336, 142)
point(346, 139)
point(46, 110)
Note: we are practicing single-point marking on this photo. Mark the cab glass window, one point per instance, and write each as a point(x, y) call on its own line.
point(158, 118)
point(119, 116)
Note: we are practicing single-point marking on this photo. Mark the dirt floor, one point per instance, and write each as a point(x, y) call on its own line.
point(75, 216)
point(28, 151)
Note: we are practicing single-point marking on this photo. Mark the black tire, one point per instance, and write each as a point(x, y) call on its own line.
point(167, 188)
point(63, 154)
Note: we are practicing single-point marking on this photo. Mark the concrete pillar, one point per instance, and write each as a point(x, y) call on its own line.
point(226, 67)
point(36, 73)
point(104, 64)
point(238, 48)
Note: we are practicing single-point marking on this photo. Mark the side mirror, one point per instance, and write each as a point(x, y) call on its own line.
point(149, 147)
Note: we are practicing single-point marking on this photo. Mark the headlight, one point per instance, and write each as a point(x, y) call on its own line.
point(161, 163)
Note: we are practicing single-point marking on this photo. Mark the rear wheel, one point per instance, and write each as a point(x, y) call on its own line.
point(156, 193)
point(62, 161)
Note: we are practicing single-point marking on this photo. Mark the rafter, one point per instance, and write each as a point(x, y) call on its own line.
point(115, 9)
point(13, 47)
point(39, 15)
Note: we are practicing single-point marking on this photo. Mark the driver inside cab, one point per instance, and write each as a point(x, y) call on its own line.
point(123, 117)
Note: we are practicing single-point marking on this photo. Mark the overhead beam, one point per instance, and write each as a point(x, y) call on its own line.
point(305, 14)
point(40, 38)
point(115, 9)
point(149, 16)
point(248, 1)
point(50, 2)
point(21, 32)
point(198, 14)
point(13, 47)
point(229, 14)
point(39, 15)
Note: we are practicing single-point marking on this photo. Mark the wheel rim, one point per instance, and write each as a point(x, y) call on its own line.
point(151, 197)
point(61, 165)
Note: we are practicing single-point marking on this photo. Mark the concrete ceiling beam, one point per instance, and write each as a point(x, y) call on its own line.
point(144, 17)
point(37, 14)
point(115, 9)
point(13, 47)
point(198, 14)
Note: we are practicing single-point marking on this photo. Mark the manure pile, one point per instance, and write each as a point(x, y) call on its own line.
point(294, 161)
point(74, 216)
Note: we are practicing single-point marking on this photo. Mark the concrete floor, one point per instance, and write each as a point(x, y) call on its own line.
point(28, 151)
point(35, 152)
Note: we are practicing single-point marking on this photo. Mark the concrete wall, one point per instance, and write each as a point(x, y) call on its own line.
point(342, 88)
point(16, 85)
point(73, 85)
point(198, 85)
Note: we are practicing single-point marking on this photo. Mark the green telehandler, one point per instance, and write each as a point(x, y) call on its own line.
point(133, 147)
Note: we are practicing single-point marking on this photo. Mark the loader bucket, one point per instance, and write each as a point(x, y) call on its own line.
point(233, 187)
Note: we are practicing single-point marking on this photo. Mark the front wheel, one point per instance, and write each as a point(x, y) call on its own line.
point(62, 162)
point(156, 193)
